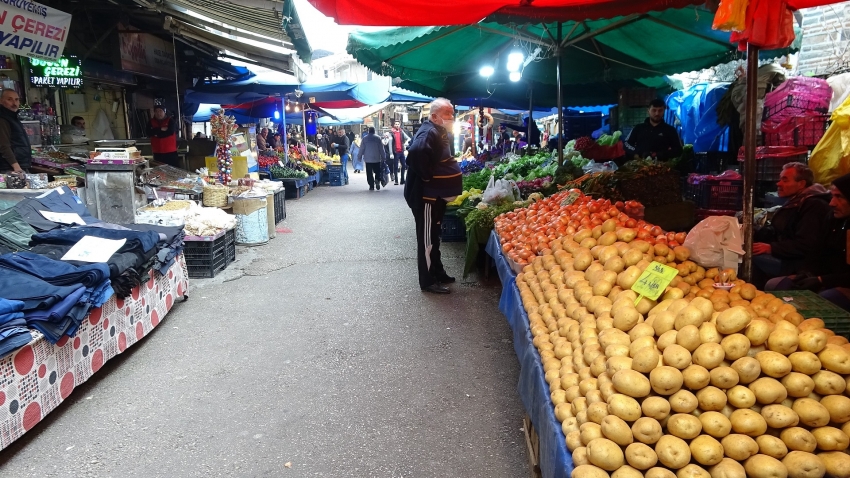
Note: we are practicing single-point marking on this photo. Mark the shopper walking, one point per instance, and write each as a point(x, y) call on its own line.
point(373, 153)
point(434, 178)
point(355, 155)
point(162, 130)
point(398, 164)
point(15, 150)
point(340, 142)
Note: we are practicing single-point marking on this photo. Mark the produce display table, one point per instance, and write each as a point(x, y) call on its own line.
point(36, 378)
point(555, 460)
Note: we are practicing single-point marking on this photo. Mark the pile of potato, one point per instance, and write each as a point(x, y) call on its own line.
point(705, 383)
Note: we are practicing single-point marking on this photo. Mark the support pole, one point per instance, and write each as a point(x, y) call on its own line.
point(177, 89)
point(530, 110)
point(560, 100)
point(283, 134)
point(750, 157)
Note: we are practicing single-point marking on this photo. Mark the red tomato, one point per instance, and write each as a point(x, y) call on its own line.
point(680, 237)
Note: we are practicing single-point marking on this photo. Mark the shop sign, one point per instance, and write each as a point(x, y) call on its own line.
point(63, 73)
point(33, 30)
point(146, 54)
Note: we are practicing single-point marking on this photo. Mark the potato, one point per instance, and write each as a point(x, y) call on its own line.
point(735, 346)
point(831, 439)
point(709, 355)
point(772, 446)
point(596, 412)
point(758, 331)
point(683, 401)
point(626, 471)
point(641, 456)
point(605, 454)
point(740, 396)
point(688, 337)
point(828, 383)
point(655, 407)
point(589, 432)
point(677, 356)
point(692, 471)
point(672, 452)
point(665, 380)
point(588, 471)
point(631, 383)
point(783, 341)
point(732, 320)
point(838, 407)
point(763, 466)
point(804, 465)
point(645, 359)
point(666, 339)
point(805, 362)
point(706, 450)
point(724, 377)
point(624, 407)
point(811, 412)
point(739, 447)
point(811, 324)
point(580, 456)
point(625, 318)
point(799, 439)
point(779, 416)
point(747, 368)
point(684, 425)
point(774, 364)
point(748, 422)
point(695, 377)
point(727, 468)
point(711, 399)
point(798, 384)
point(835, 359)
point(837, 463)
point(646, 430)
point(615, 364)
point(658, 472)
point(715, 424)
point(812, 340)
point(616, 430)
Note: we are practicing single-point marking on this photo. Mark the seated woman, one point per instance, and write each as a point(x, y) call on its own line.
point(794, 234)
point(829, 274)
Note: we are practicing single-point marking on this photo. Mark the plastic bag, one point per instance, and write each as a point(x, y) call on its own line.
point(594, 167)
point(712, 239)
point(731, 16)
point(500, 191)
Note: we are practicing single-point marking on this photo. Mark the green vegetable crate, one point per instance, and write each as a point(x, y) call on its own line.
point(811, 305)
point(453, 228)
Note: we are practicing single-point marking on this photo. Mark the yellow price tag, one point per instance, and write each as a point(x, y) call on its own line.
point(571, 198)
point(655, 278)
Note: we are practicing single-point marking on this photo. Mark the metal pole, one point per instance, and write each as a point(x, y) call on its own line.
point(560, 100)
point(304, 124)
point(750, 157)
point(283, 134)
point(530, 115)
point(177, 87)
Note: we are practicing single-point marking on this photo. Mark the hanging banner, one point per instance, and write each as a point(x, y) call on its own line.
point(146, 54)
point(33, 30)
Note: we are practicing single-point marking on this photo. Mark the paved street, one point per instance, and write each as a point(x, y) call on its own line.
point(316, 351)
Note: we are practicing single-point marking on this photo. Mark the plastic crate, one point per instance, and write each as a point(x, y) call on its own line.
point(811, 305)
point(797, 105)
point(717, 195)
point(631, 97)
point(713, 162)
point(207, 256)
point(453, 228)
point(771, 159)
point(805, 131)
point(295, 192)
point(629, 118)
point(279, 206)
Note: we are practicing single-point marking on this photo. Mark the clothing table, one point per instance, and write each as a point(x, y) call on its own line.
point(555, 460)
point(36, 378)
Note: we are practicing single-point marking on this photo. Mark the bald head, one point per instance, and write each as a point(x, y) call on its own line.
point(442, 112)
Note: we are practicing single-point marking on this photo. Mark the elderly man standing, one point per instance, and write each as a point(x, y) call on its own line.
point(433, 179)
point(15, 150)
point(794, 234)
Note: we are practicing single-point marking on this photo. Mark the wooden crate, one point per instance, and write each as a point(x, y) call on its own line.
point(532, 442)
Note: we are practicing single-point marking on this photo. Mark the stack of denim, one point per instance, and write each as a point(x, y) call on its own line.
point(59, 200)
point(170, 244)
point(56, 295)
point(14, 333)
point(15, 233)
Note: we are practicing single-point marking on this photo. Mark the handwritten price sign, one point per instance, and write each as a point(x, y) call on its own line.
point(571, 198)
point(655, 278)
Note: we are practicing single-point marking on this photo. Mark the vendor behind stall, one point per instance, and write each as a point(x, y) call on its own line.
point(654, 137)
point(15, 150)
point(162, 130)
point(523, 129)
point(828, 273)
point(794, 236)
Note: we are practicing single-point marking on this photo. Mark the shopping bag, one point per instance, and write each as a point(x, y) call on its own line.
point(385, 173)
point(731, 16)
point(716, 242)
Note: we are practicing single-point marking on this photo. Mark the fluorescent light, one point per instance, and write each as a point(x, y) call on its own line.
point(515, 76)
point(486, 71)
point(276, 114)
point(513, 66)
point(515, 56)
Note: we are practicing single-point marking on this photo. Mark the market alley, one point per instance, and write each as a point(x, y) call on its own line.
point(313, 355)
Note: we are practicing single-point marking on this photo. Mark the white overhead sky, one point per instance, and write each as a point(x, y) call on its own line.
point(323, 32)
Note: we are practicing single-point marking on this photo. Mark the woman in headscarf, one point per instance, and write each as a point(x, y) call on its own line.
point(359, 165)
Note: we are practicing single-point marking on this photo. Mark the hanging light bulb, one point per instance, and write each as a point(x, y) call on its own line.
point(486, 71)
point(287, 105)
point(515, 76)
point(276, 114)
point(297, 108)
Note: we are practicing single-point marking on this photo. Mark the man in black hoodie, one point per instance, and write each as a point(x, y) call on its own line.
point(15, 150)
point(432, 177)
point(829, 273)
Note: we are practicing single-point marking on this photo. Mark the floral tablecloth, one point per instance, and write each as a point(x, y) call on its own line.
point(35, 379)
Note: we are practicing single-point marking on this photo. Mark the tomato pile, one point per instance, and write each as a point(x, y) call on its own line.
point(526, 233)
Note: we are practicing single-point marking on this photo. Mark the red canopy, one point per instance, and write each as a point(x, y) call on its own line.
point(450, 12)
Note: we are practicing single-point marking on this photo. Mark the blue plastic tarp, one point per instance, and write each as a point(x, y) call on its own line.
point(696, 109)
point(234, 92)
point(555, 460)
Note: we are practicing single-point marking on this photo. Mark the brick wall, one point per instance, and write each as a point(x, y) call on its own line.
point(826, 40)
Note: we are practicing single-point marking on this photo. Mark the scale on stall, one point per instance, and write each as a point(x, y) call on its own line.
point(113, 171)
